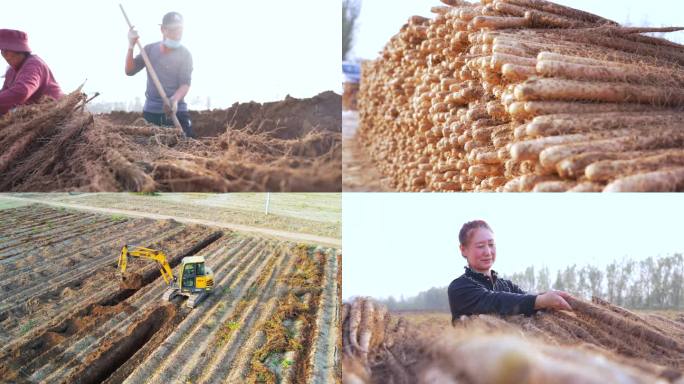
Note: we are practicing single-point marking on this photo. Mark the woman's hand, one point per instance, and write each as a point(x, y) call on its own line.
point(553, 300)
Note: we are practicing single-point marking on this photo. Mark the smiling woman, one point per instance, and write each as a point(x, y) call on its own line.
point(479, 290)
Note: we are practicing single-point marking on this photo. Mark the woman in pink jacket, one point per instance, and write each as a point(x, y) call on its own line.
point(28, 78)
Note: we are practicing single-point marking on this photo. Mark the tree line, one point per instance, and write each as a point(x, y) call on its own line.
point(653, 283)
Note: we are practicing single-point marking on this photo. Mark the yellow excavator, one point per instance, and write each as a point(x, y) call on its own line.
point(195, 282)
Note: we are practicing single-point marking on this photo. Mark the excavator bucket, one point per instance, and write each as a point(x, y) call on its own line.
point(131, 280)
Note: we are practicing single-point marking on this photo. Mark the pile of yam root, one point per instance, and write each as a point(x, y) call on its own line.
point(596, 343)
point(59, 146)
point(525, 95)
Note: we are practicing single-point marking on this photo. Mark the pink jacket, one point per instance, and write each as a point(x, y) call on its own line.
point(28, 84)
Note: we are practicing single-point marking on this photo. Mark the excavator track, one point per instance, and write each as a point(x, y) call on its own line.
point(170, 293)
point(195, 298)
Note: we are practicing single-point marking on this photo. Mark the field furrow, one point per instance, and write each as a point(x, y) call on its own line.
point(324, 360)
point(196, 328)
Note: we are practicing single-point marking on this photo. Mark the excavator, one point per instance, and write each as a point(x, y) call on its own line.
point(195, 282)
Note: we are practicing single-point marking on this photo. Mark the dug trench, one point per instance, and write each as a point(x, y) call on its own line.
point(149, 328)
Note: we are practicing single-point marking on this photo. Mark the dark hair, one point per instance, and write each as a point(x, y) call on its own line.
point(468, 228)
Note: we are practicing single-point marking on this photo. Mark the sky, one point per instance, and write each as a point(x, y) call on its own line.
point(402, 243)
point(381, 19)
point(242, 50)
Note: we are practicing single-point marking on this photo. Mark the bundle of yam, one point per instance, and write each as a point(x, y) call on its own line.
point(525, 95)
point(57, 146)
point(596, 343)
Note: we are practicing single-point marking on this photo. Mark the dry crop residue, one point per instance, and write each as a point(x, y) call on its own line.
point(525, 95)
point(69, 321)
point(291, 145)
point(596, 343)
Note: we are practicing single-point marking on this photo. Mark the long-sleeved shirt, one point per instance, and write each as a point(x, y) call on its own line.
point(475, 293)
point(28, 83)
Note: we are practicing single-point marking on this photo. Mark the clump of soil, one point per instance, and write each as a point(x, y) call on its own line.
point(286, 119)
point(131, 280)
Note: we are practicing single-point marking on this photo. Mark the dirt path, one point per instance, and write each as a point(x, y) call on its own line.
point(358, 173)
point(235, 227)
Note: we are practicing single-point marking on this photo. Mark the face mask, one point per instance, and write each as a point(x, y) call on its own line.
point(173, 44)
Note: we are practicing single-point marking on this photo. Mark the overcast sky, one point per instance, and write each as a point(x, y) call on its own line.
point(242, 50)
point(381, 19)
point(405, 243)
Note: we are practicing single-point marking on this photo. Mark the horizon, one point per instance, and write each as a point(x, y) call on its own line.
point(552, 275)
point(136, 105)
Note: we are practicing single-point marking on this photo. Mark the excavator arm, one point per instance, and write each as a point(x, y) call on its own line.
point(146, 253)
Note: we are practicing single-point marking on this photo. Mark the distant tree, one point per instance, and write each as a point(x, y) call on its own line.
point(559, 284)
point(528, 279)
point(611, 281)
point(677, 283)
point(570, 279)
point(646, 276)
point(630, 291)
point(391, 303)
point(543, 280)
point(595, 277)
point(583, 289)
point(350, 13)
point(653, 283)
point(434, 299)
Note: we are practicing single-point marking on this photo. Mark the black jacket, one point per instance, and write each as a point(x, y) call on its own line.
point(474, 293)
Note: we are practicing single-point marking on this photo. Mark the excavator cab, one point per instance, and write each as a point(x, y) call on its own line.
point(195, 276)
point(195, 281)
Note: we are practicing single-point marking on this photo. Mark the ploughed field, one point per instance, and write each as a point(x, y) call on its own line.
point(65, 317)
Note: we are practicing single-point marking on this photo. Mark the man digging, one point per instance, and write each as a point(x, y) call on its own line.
point(172, 63)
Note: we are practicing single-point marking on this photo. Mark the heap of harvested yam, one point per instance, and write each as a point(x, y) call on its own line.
point(596, 343)
point(525, 95)
point(57, 146)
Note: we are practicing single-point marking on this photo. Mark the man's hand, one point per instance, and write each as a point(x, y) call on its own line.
point(552, 300)
point(132, 37)
point(173, 108)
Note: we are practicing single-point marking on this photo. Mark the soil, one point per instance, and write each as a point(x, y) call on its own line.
point(286, 119)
